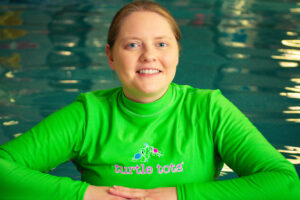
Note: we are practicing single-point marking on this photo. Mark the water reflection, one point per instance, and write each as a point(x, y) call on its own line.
point(11, 18)
point(236, 26)
point(291, 43)
point(290, 33)
point(292, 110)
point(238, 56)
point(64, 53)
point(293, 152)
point(288, 54)
point(17, 134)
point(248, 36)
point(11, 34)
point(295, 89)
point(10, 123)
point(295, 80)
point(295, 10)
point(292, 95)
point(288, 64)
point(11, 62)
point(296, 120)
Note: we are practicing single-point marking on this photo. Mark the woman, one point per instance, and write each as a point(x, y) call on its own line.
point(170, 141)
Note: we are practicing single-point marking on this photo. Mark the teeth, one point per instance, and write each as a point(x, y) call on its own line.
point(148, 71)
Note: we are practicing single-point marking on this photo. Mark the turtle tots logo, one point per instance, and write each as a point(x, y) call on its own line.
point(143, 155)
point(146, 152)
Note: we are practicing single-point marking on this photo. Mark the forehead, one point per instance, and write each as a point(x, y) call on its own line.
point(145, 23)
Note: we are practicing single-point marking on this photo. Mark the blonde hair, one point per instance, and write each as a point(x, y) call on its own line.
point(135, 7)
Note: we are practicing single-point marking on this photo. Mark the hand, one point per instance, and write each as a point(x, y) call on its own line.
point(166, 193)
point(97, 192)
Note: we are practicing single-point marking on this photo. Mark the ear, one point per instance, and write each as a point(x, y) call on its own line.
point(109, 57)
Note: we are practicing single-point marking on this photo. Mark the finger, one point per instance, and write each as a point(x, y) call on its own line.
point(128, 192)
point(125, 188)
point(134, 190)
point(114, 197)
point(118, 198)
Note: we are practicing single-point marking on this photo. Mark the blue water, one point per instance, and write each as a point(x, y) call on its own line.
point(50, 51)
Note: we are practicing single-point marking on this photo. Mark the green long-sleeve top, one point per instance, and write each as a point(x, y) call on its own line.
point(180, 140)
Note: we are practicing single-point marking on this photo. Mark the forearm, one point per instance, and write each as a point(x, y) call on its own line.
point(18, 182)
point(264, 185)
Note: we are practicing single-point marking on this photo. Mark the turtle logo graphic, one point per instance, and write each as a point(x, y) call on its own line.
point(146, 152)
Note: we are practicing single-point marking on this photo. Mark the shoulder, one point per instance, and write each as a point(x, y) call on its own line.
point(99, 95)
point(197, 94)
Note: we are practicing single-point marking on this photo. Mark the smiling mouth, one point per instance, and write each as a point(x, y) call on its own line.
point(148, 71)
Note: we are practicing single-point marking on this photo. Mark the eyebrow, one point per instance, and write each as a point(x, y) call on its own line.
point(164, 37)
point(137, 38)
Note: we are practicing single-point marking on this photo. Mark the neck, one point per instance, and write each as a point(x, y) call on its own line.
point(144, 98)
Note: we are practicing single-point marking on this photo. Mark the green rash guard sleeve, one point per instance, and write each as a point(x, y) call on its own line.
point(263, 172)
point(24, 160)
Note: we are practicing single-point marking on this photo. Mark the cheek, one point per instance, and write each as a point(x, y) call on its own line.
point(126, 59)
point(125, 66)
point(171, 60)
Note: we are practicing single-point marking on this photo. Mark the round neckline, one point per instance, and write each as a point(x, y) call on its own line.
point(148, 109)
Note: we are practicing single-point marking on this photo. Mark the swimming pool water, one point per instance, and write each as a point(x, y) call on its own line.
point(50, 51)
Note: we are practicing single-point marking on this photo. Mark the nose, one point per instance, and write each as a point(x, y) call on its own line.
point(148, 55)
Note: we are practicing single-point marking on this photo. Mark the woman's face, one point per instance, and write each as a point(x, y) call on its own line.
point(144, 56)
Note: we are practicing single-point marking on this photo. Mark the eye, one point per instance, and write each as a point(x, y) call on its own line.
point(162, 44)
point(132, 45)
